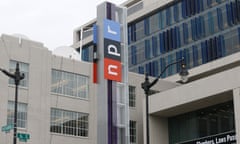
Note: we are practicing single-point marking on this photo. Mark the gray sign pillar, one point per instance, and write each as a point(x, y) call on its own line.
point(112, 88)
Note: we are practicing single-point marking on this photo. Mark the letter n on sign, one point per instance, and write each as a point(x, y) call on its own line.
point(112, 70)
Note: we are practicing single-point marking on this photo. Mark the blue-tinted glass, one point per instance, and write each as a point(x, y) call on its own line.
point(203, 30)
point(239, 35)
point(209, 50)
point(237, 2)
point(154, 46)
point(185, 33)
point(134, 55)
point(147, 49)
point(201, 7)
point(151, 69)
point(192, 7)
point(178, 37)
point(141, 70)
point(170, 69)
point(161, 20)
point(214, 47)
point(146, 26)
point(210, 22)
point(155, 68)
point(134, 34)
point(176, 13)
point(178, 57)
point(129, 34)
point(85, 54)
point(186, 56)
point(168, 16)
point(166, 41)
point(221, 37)
point(169, 35)
point(209, 3)
point(161, 39)
point(204, 52)
point(219, 48)
point(163, 65)
point(198, 27)
point(184, 8)
point(220, 19)
point(174, 34)
point(147, 68)
point(229, 14)
point(197, 6)
point(193, 26)
point(195, 55)
point(188, 8)
point(233, 11)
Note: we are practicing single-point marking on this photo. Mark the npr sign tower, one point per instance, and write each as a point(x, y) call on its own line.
point(110, 74)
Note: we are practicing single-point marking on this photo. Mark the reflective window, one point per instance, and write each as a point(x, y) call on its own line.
point(69, 122)
point(193, 27)
point(21, 114)
point(132, 96)
point(204, 122)
point(24, 68)
point(133, 132)
point(69, 84)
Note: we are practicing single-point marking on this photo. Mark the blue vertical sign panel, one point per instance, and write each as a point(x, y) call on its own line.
point(112, 30)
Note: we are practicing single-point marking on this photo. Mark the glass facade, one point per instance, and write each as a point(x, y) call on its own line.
point(198, 30)
point(24, 68)
point(21, 114)
point(205, 122)
point(69, 84)
point(69, 122)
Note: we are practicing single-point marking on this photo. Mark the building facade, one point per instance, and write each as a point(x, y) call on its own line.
point(207, 34)
point(56, 99)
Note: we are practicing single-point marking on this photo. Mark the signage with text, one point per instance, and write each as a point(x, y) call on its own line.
point(223, 138)
point(112, 51)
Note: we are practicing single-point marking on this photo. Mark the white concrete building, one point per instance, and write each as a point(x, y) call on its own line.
point(56, 99)
point(207, 34)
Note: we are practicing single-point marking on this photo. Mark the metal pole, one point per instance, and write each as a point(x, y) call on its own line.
point(146, 88)
point(147, 117)
point(17, 77)
point(17, 80)
point(146, 85)
point(15, 115)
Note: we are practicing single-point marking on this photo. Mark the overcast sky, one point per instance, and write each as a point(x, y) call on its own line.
point(48, 21)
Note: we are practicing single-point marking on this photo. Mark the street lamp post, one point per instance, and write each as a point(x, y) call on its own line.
point(17, 78)
point(146, 85)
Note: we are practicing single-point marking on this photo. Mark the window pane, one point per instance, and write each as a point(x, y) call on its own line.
point(132, 96)
point(69, 122)
point(21, 114)
point(24, 69)
point(133, 132)
point(69, 84)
